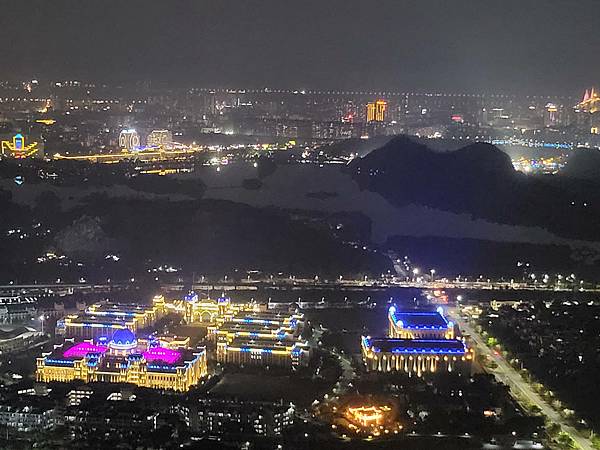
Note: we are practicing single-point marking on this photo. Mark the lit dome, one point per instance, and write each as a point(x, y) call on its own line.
point(123, 337)
point(123, 341)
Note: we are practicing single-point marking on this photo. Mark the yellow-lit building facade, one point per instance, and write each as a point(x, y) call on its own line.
point(376, 111)
point(124, 359)
point(262, 338)
point(206, 311)
point(103, 319)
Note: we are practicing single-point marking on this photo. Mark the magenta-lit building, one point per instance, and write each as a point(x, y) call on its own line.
point(124, 359)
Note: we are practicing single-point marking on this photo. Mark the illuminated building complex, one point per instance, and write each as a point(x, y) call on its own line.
point(19, 148)
point(123, 359)
point(419, 324)
point(101, 343)
point(159, 138)
point(262, 338)
point(419, 342)
point(376, 111)
point(129, 140)
point(206, 311)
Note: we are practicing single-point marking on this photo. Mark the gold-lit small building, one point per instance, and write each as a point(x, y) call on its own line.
point(368, 416)
point(17, 147)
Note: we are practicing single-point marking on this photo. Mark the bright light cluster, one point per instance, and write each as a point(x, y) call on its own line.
point(81, 349)
point(162, 354)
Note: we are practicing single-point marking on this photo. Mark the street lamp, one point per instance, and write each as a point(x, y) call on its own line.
point(415, 272)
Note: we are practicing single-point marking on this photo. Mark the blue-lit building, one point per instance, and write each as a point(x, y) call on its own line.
point(416, 356)
point(419, 343)
point(419, 324)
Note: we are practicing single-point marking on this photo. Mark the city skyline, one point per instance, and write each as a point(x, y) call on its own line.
point(268, 225)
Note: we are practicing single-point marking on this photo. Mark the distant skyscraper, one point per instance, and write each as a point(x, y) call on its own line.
point(159, 138)
point(551, 115)
point(129, 140)
point(376, 111)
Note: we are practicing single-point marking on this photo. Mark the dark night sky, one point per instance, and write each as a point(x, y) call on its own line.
point(538, 46)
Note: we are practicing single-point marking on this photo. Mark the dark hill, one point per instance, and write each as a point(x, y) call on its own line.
point(584, 163)
point(479, 180)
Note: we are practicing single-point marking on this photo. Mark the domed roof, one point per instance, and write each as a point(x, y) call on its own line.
point(124, 337)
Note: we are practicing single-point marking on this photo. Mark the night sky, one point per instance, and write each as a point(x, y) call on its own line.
point(536, 46)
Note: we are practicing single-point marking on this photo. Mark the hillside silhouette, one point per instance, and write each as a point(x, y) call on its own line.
point(479, 180)
point(584, 163)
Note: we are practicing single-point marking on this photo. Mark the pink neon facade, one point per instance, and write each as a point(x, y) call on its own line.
point(83, 348)
point(162, 354)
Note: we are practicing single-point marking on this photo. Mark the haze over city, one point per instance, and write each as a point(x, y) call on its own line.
point(460, 46)
point(299, 225)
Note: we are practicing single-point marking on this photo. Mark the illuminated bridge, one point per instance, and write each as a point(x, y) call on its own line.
point(147, 154)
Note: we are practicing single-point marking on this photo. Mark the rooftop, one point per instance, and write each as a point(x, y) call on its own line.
point(232, 327)
point(265, 344)
point(419, 320)
point(157, 358)
point(95, 320)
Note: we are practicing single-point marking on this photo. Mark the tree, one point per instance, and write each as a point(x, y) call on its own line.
point(565, 440)
point(553, 429)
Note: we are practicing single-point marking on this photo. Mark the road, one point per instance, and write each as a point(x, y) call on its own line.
point(506, 374)
point(291, 283)
point(347, 375)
